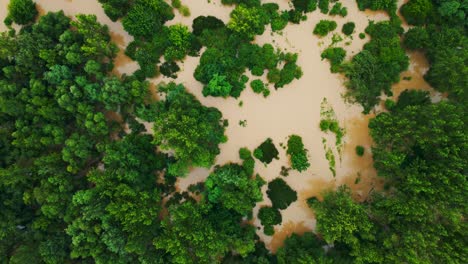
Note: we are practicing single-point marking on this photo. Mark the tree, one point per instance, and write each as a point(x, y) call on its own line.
point(248, 21)
point(348, 28)
point(21, 12)
point(323, 27)
point(280, 194)
point(416, 12)
point(233, 188)
point(266, 152)
point(146, 17)
point(188, 128)
point(336, 56)
point(298, 154)
point(305, 6)
point(218, 86)
point(269, 217)
point(305, 248)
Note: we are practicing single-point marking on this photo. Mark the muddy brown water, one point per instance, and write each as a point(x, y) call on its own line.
point(294, 109)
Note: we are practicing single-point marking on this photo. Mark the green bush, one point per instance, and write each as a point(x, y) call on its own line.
point(417, 12)
point(298, 154)
point(266, 152)
point(339, 9)
point(360, 151)
point(269, 217)
point(324, 6)
point(257, 86)
point(348, 28)
point(336, 56)
point(362, 35)
point(416, 38)
point(280, 194)
point(324, 27)
point(21, 12)
point(305, 6)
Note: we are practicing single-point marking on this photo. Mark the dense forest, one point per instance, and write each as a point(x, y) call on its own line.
point(82, 181)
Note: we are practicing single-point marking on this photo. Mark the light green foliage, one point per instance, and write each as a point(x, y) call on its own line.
point(179, 42)
point(336, 56)
point(339, 218)
point(218, 86)
point(188, 128)
point(21, 12)
point(339, 9)
point(324, 27)
point(348, 28)
point(297, 153)
point(280, 194)
point(266, 152)
point(269, 217)
point(329, 123)
point(248, 21)
point(232, 187)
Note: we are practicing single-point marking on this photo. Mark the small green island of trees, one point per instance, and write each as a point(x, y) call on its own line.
point(85, 179)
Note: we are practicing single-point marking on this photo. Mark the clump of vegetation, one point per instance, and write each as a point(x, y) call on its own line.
point(360, 151)
point(324, 27)
point(297, 153)
point(330, 158)
point(390, 6)
point(374, 70)
point(335, 56)
point(280, 194)
point(21, 12)
point(348, 28)
point(417, 12)
point(232, 186)
point(248, 161)
point(284, 171)
point(183, 9)
point(329, 123)
point(305, 6)
point(269, 217)
point(190, 148)
point(324, 6)
point(362, 35)
point(259, 87)
point(339, 9)
point(266, 152)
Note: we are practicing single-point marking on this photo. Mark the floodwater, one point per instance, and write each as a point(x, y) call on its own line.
point(294, 109)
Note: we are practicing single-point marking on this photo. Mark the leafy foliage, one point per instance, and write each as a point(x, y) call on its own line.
point(348, 28)
point(298, 154)
point(324, 27)
point(188, 128)
point(336, 56)
point(266, 152)
point(269, 217)
point(21, 12)
point(280, 194)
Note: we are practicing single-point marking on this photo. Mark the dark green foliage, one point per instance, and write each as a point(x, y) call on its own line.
point(411, 97)
point(233, 188)
point(324, 27)
point(336, 56)
point(305, 6)
point(305, 248)
point(201, 233)
point(209, 22)
point(248, 162)
point(21, 12)
point(348, 28)
point(416, 38)
point(115, 9)
point(339, 9)
point(146, 17)
point(297, 153)
point(169, 69)
point(377, 67)
point(269, 217)
point(194, 141)
point(362, 35)
point(388, 5)
point(257, 86)
point(266, 152)
point(324, 6)
point(280, 194)
point(416, 12)
point(360, 151)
